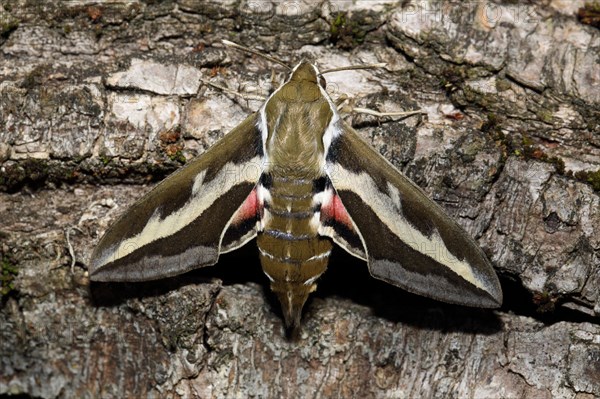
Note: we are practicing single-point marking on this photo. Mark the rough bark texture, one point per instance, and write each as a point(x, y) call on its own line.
point(98, 100)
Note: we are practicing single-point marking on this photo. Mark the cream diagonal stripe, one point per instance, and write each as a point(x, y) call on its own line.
point(203, 196)
point(388, 210)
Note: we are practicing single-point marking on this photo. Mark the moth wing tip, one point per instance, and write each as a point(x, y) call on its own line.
point(498, 299)
point(493, 289)
point(493, 297)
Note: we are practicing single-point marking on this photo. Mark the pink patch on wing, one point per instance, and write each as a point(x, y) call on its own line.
point(335, 210)
point(248, 209)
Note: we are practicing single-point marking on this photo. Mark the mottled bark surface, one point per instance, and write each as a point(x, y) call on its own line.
point(99, 101)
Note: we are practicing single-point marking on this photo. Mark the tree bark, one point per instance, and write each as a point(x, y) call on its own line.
point(100, 100)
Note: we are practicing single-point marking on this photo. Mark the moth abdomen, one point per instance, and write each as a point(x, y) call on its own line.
point(292, 253)
point(290, 221)
point(288, 214)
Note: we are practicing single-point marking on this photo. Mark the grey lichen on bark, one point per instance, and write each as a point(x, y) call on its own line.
point(99, 101)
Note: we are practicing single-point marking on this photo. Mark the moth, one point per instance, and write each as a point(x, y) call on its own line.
point(299, 179)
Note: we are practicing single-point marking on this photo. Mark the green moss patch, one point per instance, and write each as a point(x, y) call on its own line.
point(345, 32)
point(591, 178)
point(8, 272)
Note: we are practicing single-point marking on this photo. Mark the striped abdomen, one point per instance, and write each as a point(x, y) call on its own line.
point(292, 253)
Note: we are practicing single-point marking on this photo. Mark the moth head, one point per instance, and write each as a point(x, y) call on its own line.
point(305, 72)
point(304, 85)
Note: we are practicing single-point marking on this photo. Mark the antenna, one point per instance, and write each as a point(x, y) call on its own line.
point(352, 67)
point(249, 50)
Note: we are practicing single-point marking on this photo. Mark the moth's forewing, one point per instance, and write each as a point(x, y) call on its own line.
point(409, 240)
point(186, 220)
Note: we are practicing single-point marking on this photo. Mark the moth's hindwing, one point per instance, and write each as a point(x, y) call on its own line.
point(206, 208)
point(408, 239)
